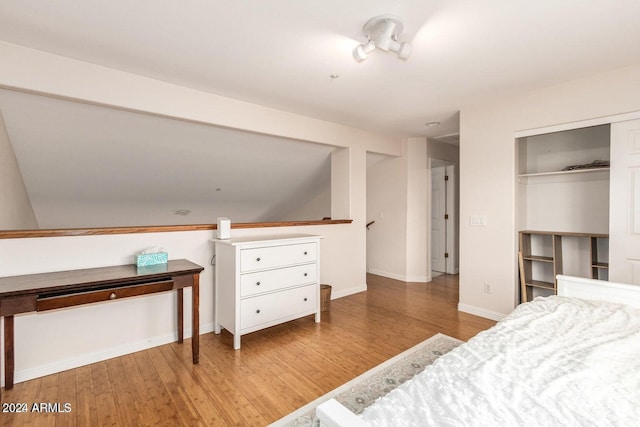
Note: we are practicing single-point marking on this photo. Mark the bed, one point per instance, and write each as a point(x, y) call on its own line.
point(571, 359)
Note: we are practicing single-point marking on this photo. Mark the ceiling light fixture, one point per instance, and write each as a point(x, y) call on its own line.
point(432, 124)
point(382, 33)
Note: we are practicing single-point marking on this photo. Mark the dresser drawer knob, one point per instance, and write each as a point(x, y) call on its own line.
point(258, 311)
point(305, 298)
point(305, 274)
point(258, 259)
point(257, 283)
point(112, 296)
point(305, 252)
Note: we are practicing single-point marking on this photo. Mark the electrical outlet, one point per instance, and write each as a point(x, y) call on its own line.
point(487, 288)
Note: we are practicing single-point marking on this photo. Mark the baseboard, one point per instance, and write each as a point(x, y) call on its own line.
point(110, 353)
point(350, 291)
point(387, 274)
point(400, 277)
point(477, 311)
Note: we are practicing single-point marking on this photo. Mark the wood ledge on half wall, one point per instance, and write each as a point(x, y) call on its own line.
point(23, 234)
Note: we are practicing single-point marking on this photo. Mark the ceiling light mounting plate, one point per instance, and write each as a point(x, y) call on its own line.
point(372, 27)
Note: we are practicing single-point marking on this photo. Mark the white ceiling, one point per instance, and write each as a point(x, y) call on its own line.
point(280, 53)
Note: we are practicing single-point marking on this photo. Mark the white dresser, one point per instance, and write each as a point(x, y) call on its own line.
point(264, 281)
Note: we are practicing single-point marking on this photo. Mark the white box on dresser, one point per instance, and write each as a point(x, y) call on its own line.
point(264, 281)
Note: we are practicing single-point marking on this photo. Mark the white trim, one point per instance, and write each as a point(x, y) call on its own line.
point(453, 227)
point(333, 414)
point(349, 291)
point(580, 124)
point(99, 356)
point(418, 279)
point(478, 311)
point(400, 277)
point(599, 290)
point(387, 274)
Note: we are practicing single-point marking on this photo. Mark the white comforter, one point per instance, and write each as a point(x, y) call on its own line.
point(555, 361)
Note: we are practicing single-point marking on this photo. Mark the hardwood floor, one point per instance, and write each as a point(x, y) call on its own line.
point(276, 371)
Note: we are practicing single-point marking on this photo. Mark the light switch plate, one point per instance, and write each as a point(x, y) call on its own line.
point(478, 220)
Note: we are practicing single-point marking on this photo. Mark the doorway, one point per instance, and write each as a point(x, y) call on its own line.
point(443, 218)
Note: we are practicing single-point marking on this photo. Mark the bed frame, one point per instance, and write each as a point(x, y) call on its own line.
point(332, 414)
point(599, 290)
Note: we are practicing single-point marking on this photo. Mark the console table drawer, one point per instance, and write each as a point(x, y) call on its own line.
point(277, 256)
point(109, 294)
point(269, 308)
point(272, 280)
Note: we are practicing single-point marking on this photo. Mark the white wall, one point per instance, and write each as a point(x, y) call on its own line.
point(315, 209)
point(386, 202)
point(397, 202)
point(62, 339)
point(443, 151)
point(488, 170)
point(16, 212)
point(83, 335)
point(418, 244)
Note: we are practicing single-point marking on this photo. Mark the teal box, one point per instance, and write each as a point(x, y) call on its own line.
point(152, 269)
point(144, 260)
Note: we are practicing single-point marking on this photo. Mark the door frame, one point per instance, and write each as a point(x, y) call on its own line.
point(451, 263)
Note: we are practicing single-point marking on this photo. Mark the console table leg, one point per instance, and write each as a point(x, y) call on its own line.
point(8, 352)
point(195, 309)
point(180, 316)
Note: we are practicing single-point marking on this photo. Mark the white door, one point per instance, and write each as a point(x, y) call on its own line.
point(624, 204)
point(438, 223)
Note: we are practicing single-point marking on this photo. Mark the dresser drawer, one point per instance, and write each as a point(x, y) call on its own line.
point(272, 307)
point(272, 280)
point(277, 256)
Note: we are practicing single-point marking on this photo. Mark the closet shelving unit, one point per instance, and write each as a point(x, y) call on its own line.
point(563, 214)
point(547, 252)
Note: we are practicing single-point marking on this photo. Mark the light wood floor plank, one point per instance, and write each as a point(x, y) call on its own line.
point(84, 409)
point(277, 370)
point(106, 408)
point(127, 405)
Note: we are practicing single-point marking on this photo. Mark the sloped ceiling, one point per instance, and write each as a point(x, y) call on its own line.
point(282, 54)
point(77, 158)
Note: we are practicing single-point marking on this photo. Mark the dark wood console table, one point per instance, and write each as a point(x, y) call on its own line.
point(48, 291)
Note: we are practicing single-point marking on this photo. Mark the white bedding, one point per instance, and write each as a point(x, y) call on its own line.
point(556, 361)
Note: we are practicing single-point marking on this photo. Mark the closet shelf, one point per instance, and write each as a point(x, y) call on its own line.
point(538, 258)
point(541, 284)
point(571, 172)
